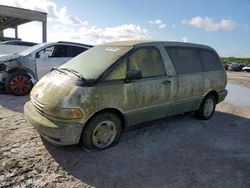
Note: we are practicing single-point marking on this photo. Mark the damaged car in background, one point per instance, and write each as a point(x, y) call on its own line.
point(19, 72)
point(123, 84)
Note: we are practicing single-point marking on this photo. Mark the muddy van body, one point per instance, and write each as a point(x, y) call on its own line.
point(91, 98)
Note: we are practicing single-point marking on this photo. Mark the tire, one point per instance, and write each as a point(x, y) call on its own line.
point(102, 131)
point(18, 84)
point(207, 108)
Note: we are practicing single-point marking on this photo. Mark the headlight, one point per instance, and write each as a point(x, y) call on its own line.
point(56, 112)
point(63, 113)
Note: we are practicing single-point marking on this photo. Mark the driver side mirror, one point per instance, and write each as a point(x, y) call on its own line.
point(133, 74)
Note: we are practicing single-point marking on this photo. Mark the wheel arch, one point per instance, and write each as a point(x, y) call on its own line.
point(200, 112)
point(112, 110)
point(23, 70)
point(212, 92)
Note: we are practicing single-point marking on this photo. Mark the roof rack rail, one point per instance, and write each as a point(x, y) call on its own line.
point(87, 45)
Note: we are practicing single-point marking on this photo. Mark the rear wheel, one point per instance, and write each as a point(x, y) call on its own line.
point(102, 131)
point(207, 108)
point(18, 83)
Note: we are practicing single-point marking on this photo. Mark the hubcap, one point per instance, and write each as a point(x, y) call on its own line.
point(104, 134)
point(208, 107)
point(20, 84)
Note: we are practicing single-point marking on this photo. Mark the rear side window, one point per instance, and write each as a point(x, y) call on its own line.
point(210, 61)
point(67, 51)
point(148, 60)
point(185, 60)
point(75, 50)
point(60, 51)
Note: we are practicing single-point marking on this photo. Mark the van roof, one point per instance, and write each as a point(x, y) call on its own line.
point(148, 42)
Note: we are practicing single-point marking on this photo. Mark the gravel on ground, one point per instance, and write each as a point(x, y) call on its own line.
point(178, 151)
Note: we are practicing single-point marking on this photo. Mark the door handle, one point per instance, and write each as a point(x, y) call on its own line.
point(166, 81)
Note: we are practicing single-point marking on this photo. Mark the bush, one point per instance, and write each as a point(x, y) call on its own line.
point(236, 60)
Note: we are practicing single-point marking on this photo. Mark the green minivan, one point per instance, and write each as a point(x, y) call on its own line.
point(94, 96)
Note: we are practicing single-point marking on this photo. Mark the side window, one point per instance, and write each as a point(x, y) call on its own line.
point(148, 60)
point(46, 52)
point(119, 73)
point(185, 60)
point(60, 51)
point(75, 50)
point(210, 60)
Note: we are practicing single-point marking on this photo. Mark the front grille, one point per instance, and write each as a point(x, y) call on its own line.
point(38, 106)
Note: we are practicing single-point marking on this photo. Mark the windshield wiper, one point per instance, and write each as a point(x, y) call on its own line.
point(57, 69)
point(74, 72)
point(63, 70)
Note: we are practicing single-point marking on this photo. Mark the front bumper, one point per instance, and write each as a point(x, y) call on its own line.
point(54, 132)
point(222, 95)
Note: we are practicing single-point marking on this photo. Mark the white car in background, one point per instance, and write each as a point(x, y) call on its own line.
point(19, 72)
point(246, 68)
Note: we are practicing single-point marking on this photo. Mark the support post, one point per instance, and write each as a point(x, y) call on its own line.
point(44, 23)
point(16, 32)
point(1, 34)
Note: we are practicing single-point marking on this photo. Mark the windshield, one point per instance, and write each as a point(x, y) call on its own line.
point(29, 50)
point(93, 62)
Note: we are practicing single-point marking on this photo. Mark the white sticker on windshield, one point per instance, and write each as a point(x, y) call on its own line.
point(112, 49)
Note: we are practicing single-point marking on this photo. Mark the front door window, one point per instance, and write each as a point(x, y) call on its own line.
point(49, 57)
point(148, 61)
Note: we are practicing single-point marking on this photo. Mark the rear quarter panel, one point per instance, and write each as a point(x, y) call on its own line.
point(214, 80)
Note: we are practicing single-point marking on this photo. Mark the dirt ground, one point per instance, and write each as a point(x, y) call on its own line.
point(178, 151)
point(240, 78)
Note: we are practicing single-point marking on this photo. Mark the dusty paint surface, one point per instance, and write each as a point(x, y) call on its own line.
point(140, 100)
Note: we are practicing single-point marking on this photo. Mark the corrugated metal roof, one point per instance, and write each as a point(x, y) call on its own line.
point(10, 17)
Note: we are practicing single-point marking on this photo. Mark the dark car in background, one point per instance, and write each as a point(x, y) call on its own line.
point(235, 67)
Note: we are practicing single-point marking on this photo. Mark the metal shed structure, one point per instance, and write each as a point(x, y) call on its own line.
point(11, 17)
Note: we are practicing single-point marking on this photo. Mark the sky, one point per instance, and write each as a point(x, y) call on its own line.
point(221, 24)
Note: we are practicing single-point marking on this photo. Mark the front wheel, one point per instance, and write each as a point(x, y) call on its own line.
point(18, 83)
point(207, 108)
point(102, 131)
